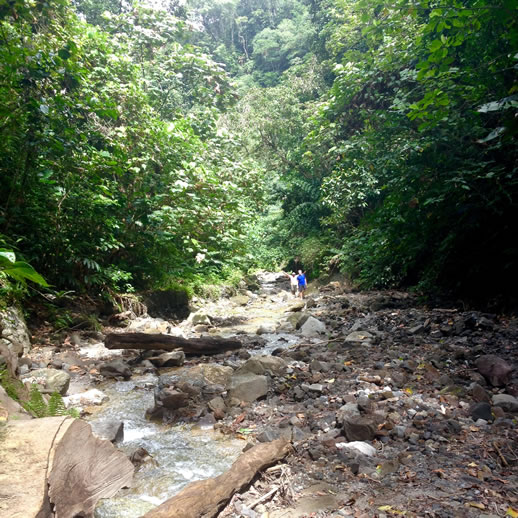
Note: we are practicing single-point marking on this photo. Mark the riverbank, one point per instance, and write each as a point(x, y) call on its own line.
point(392, 408)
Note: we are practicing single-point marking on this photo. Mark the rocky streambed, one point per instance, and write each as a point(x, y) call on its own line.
point(392, 408)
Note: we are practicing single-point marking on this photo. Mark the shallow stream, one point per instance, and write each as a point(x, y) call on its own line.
point(183, 453)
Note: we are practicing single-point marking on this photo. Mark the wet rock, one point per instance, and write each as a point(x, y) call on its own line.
point(115, 369)
point(313, 327)
point(496, 370)
point(112, 430)
point(53, 380)
point(243, 354)
point(481, 410)
point(359, 429)
point(141, 456)
point(171, 398)
point(248, 387)
point(505, 401)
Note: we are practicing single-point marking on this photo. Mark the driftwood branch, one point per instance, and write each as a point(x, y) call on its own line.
point(207, 497)
point(147, 341)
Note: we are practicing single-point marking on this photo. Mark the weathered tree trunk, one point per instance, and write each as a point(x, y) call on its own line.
point(203, 345)
point(54, 466)
point(204, 499)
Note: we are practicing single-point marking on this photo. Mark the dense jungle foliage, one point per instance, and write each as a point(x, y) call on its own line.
point(144, 144)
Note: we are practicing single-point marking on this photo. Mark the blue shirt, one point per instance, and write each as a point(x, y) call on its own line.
point(301, 279)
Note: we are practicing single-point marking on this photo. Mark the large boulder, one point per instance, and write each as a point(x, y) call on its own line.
point(55, 466)
point(313, 327)
point(14, 337)
point(248, 387)
point(52, 380)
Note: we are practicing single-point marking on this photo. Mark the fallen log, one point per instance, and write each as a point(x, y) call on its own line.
point(55, 466)
point(147, 341)
point(205, 499)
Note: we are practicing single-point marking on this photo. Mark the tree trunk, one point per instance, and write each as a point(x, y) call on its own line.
point(147, 341)
point(204, 499)
point(55, 466)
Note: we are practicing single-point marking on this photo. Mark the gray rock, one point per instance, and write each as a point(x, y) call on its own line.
point(263, 364)
point(481, 410)
point(248, 387)
point(313, 327)
point(217, 404)
point(346, 411)
point(169, 359)
point(296, 306)
point(496, 370)
point(269, 435)
point(240, 300)
point(212, 373)
point(201, 328)
point(171, 398)
point(298, 319)
point(112, 430)
point(115, 369)
point(14, 333)
point(266, 328)
point(53, 380)
point(360, 336)
point(416, 329)
point(318, 366)
point(506, 402)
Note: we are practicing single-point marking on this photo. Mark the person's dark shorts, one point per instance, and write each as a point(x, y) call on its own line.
point(302, 288)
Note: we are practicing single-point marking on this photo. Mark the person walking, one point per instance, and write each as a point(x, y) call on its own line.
point(302, 283)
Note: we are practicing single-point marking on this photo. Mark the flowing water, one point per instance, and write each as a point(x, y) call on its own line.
point(182, 453)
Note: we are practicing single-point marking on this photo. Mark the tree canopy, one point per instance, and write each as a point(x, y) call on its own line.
point(146, 143)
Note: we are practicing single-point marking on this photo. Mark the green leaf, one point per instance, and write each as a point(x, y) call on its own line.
point(7, 255)
point(23, 271)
